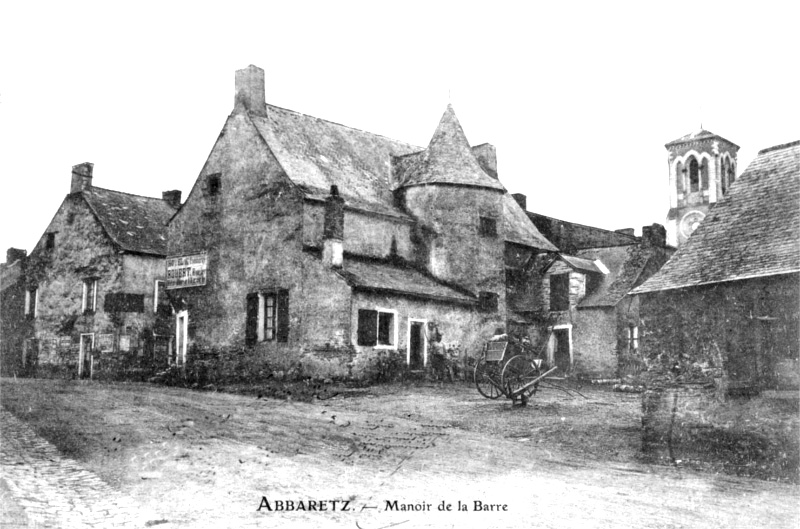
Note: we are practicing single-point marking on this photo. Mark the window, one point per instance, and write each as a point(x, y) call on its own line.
point(49, 241)
point(694, 175)
point(559, 292)
point(633, 339)
point(31, 302)
point(704, 174)
point(377, 328)
point(214, 184)
point(267, 317)
point(487, 301)
point(89, 300)
point(487, 227)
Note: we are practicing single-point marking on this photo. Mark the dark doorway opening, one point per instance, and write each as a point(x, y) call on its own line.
point(562, 355)
point(416, 346)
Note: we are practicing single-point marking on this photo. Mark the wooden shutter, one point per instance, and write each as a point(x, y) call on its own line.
point(367, 327)
point(251, 324)
point(283, 315)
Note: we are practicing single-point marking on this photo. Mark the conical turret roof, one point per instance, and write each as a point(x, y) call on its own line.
point(448, 159)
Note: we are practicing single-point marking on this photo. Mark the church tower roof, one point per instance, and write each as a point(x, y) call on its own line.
point(448, 159)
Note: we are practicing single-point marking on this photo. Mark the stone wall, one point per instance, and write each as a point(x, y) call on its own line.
point(594, 341)
point(81, 251)
point(717, 358)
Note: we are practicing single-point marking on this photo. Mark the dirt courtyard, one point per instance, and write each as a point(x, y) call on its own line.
point(421, 455)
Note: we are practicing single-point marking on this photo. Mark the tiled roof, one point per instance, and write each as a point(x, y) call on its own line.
point(448, 159)
point(519, 229)
point(625, 265)
point(135, 223)
point(753, 231)
point(317, 154)
point(398, 279)
point(571, 237)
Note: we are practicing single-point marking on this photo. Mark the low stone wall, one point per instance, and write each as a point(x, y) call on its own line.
point(690, 423)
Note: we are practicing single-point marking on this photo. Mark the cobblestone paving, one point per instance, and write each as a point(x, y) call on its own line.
point(53, 490)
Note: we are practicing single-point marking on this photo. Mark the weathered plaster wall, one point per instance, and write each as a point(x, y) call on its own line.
point(594, 339)
point(366, 234)
point(451, 247)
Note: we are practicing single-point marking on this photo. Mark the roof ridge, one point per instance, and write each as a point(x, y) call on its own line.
point(344, 126)
point(779, 147)
point(634, 238)
point(129, 194)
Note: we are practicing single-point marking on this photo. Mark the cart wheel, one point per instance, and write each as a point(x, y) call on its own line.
point(487, 379)
point(518, 372)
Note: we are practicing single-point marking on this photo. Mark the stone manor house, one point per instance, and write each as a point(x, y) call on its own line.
point(311, 245)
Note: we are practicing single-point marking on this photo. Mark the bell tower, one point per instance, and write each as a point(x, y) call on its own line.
point(702, 167)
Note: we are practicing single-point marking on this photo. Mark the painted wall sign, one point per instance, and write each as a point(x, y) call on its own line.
point(187, 271)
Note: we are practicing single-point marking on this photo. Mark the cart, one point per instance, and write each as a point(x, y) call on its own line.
point(517, 376)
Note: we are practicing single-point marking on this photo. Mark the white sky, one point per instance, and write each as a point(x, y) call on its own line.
point(578, 97)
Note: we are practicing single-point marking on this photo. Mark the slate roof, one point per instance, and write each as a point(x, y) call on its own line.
point(698, 135)
point(571, 237)
point(753, 231)
point(448, 159)
point(316, 154)
point(10, 274)
point(380, 276)
point(625, 265)
point(519, 229)
point(576, 263)
point(135, 223)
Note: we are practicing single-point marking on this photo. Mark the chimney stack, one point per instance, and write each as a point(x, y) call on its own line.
point(522, 200)
point(250, 90)
point(654, 236)
point(173, 198)
point(486, 155)
point(15, 254)
point(333, 230)
point(81, 177)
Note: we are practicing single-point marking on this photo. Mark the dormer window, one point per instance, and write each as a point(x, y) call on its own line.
point(214, 184)
point(487, 227)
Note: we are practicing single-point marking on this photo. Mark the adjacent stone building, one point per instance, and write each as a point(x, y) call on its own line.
point(314, 246)
point(722, 319)
point(576, 301)
point(93, 284)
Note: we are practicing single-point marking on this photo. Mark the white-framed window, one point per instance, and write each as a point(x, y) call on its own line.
point(378, 328)
point(633, 339)
point(267, 316)
point(89, 299)
point(32, 302)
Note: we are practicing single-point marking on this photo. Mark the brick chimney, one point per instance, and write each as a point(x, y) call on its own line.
point(522, 200)
point(173, 198)
point(15, 254)
point(333, 230)
point(486, 155)
point(250, 90)
point(654, 236)
point(81, 177)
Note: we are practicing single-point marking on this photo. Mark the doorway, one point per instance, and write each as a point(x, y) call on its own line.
point(181, 332)
point(562, 353)
point(85, 358)
point(417, 344)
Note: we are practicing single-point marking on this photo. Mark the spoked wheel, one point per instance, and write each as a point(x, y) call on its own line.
point(518, 372)
point(487, 379)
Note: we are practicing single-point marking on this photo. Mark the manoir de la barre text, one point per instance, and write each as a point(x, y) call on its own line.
point(387, 506)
